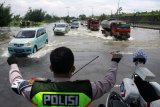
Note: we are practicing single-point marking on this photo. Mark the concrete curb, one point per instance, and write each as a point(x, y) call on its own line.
point(147, 27)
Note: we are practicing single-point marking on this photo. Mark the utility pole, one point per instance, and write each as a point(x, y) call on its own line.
point(118, 9)
point(111, 13)
point(68, 18)
point(68, 10)
point(92, 11)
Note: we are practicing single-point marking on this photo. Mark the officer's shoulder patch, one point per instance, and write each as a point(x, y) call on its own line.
point(31, 81)
point(19, 84)
point(42, 80)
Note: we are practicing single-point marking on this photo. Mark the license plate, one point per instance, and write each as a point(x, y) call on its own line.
point(19, 50)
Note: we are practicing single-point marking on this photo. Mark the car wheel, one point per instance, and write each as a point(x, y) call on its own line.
point(46, 41)
point(34, 49)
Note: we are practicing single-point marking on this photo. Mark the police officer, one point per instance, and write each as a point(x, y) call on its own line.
point(61, 91)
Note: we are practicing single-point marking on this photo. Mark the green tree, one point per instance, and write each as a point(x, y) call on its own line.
point(16, 20)
point(66, 19)
point(36, 15)
point(82, 17)
point(102, 17)
point(55, 18)
point(5, 15)
point(48, 17)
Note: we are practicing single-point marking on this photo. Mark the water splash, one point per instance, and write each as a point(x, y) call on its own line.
point(5, 53)
point(47, 49)
point(131, 39)
point(40, 53)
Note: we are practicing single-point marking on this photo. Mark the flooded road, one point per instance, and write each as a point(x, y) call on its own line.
point(86, 45)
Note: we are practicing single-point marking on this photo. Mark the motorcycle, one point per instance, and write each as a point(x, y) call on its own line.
point(138, 91)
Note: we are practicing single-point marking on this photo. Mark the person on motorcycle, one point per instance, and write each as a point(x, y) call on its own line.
point(140, 56)
point(116, 100)
point(61, 91)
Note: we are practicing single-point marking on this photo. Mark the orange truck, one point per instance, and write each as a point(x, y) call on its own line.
point(117, 28)
point(93, 24)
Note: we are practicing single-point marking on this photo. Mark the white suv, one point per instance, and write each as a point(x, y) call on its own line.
point(61, 28)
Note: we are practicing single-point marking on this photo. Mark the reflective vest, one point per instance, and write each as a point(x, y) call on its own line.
point(61, 94)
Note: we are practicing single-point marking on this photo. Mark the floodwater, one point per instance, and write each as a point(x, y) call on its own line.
point(86, 45)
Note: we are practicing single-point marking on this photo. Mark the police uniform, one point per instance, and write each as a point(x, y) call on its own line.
point(62, 92)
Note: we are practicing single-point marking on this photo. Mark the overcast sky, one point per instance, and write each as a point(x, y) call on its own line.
point(76, 7)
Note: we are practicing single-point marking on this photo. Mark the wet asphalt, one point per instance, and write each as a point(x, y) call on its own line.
point(85, 45)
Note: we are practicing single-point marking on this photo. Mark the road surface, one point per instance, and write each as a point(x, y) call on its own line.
point(86, 45)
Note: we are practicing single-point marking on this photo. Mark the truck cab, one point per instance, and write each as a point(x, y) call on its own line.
point(117, 28)
point(93, 24)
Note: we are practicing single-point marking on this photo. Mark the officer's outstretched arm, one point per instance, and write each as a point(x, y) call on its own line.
point(104, 85)
point(107, 83)
point(18, 84)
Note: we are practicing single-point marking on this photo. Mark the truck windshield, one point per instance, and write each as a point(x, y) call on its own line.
point(26, 34)
point(95, 22)
point(123, 25)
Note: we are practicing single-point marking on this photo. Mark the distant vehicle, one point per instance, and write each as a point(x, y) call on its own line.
point(74, 20)
point(140, 90)
point(93, 24)
point(117, 28)
point(83, 22)
point(61, 28)
point(28, 41)
point(74, 25)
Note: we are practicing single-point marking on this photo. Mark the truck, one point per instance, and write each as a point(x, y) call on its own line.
point(117, 28)
point(93, 24)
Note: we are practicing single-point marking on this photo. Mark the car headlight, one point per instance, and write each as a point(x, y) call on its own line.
point(29, 43)
point(55, 29)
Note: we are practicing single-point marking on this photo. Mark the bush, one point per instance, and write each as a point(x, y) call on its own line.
point(5, 15)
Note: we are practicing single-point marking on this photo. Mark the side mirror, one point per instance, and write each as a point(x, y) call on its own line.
point(14, 36)
point(54, 26)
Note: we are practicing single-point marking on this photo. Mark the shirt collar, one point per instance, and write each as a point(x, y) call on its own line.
point(61, 79)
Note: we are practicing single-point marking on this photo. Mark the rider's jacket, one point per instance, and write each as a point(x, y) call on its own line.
point(61, 94)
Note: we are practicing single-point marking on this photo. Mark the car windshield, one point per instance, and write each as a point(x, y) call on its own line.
point(60, 25)
point(74, 23)
point(26, 34)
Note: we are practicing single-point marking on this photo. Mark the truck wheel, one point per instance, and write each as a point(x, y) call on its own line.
point(128, 36)
point(107, 33)
point(117, 38)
